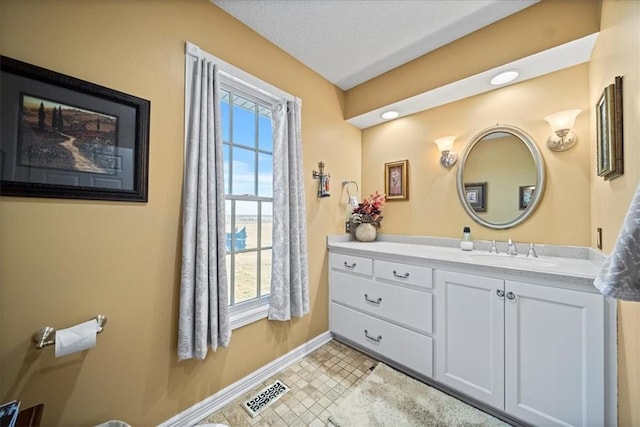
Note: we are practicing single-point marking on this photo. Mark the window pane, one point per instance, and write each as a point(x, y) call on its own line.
point(246, 276)
point(265, 272)
point(225, 158)
point(244, 171)
point(265, 175)
point(265, 133)
point(267, 225)
point(244, 122)
point(224, 100)
point(246, 225)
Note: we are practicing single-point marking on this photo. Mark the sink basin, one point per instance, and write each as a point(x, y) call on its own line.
point(503, 260)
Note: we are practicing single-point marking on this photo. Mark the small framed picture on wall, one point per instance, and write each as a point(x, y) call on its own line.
point(396, 180)
point(476, 194)
point(525, 196)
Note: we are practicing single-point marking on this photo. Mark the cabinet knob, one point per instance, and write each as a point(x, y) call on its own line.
point(378, 339)
point(500, 293)
point(511, 295)
point(350, 266)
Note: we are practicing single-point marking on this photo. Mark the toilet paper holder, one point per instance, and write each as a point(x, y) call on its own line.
point(47, 335)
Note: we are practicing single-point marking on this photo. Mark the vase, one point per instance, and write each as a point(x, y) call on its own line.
point(366, 232)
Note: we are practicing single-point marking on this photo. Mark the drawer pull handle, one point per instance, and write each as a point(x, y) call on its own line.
point(366, 334)
point(350, 266)
point(401, 276)
point(500, 293)
point(378, 301)
point(511, 295)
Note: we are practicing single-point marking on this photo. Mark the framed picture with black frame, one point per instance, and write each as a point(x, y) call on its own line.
point(63, 137)
point(476, 195)
point(525, 196)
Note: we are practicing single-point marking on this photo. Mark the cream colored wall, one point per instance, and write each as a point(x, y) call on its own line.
point(64, 261)
point(617, 53)
point(434, 208)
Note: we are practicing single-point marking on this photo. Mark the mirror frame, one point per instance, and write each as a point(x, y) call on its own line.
point(540, 180)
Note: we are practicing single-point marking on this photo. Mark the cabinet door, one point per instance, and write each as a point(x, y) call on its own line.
point(554, 359)
point(470, 335)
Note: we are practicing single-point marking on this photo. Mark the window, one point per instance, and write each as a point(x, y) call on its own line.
point(246, 104)
point(248, 170)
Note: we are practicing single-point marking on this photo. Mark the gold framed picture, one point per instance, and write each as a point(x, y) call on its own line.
point(396, 180)
point(609, 148)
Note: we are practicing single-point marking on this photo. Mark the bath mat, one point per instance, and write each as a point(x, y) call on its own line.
point(387, 397)
point(264, 398)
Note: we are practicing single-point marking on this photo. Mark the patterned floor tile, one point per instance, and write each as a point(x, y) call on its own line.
point(316, 382)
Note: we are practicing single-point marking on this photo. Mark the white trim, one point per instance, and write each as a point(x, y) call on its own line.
point(236, 74)
point(213, 403)
point(611, 362)
point(241, 315)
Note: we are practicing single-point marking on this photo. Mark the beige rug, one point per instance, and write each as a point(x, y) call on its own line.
point(389, 398)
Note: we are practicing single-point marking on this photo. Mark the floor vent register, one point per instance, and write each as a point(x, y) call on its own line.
point(265, 398)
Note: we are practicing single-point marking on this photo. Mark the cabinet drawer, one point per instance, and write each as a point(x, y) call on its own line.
point(352, 264)
point(404, 273)
point(400, 305)
point(401, 345)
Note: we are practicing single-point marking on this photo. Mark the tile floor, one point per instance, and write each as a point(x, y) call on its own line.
point(321, 379)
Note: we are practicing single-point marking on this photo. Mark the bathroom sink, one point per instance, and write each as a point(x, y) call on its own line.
point(503, 260)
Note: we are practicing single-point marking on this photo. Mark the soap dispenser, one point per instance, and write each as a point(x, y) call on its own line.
point(466, 244)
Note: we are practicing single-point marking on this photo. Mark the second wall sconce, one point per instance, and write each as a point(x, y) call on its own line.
point(445, 145)
point(561, 123)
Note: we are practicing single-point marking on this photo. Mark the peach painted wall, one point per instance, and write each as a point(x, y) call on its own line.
point(64, 261)
point(617, 53)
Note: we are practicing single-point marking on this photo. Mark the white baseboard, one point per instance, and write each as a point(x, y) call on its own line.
point(215, 402)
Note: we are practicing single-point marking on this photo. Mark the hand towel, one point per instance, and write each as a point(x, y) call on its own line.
point(619, 276)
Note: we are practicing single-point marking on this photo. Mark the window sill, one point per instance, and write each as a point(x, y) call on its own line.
point(243, 314)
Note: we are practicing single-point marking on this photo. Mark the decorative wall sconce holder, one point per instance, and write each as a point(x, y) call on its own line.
point(448, 157)
point(323, 181)
point(562, 138)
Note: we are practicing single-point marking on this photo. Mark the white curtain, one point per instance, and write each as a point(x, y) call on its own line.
point(204, 310)
point(289, 275)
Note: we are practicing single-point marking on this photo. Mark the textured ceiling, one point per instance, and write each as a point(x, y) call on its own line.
point(351, 41)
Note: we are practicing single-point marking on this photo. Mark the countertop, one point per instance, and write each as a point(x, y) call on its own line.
point(567, 266)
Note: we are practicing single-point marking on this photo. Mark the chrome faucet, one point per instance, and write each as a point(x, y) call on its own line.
point(511, 248)
point(532, 251)
point(493, 247)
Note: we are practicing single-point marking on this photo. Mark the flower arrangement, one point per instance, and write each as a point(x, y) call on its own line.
point(369, 211)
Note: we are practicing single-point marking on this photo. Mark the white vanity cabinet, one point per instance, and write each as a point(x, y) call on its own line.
point(534, 351)
point(384, 307)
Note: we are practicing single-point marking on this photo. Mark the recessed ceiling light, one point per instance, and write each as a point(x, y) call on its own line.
point(504, 77)
point(388, 115)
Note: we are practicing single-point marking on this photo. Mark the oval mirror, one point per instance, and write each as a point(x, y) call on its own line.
point(501, 177)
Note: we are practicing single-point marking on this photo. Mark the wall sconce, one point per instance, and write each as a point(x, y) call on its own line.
point(445, 145)
point(561, 123)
